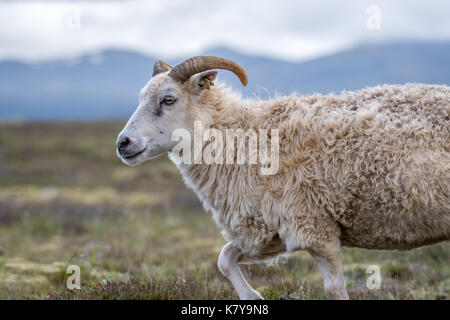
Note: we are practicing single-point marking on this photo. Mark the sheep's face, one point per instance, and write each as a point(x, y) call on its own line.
point(164, 106)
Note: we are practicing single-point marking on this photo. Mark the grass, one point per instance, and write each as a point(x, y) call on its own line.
point(138, 233)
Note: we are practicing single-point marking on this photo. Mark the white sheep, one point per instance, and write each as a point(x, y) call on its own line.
point(368, 169)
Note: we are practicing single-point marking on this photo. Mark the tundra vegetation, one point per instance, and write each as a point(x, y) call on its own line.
point(139, 233)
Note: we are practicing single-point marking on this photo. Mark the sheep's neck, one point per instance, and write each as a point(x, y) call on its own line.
point(214, 183)
point(228, 112)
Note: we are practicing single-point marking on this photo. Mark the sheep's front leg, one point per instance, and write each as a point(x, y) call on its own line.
point(228, 264)
point(329, 262)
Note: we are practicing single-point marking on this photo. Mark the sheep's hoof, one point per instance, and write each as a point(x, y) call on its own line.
point(254, 295)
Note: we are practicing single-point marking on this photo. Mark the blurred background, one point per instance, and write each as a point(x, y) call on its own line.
point(70, 73)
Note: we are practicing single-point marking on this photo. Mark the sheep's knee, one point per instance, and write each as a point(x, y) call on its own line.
point(228, 258)
point(228, 264)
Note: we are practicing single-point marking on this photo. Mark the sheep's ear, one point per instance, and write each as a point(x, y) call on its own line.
point(205, 80)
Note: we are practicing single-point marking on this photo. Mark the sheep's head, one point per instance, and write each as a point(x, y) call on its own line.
point(168, 103)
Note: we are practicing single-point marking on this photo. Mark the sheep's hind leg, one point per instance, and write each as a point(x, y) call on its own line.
point(228, 264)
point(328, 259)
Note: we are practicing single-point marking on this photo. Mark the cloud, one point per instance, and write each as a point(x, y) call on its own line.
point(287, 29)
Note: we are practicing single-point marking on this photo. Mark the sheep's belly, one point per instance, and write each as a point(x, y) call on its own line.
point(396, 231)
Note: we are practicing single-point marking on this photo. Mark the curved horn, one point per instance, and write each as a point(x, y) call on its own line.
point(191, 66)
point(160, 66)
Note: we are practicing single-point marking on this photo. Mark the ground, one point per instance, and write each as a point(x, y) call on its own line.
point(138, 233)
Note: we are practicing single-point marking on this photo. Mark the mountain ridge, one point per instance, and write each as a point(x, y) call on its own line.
point(105, 85)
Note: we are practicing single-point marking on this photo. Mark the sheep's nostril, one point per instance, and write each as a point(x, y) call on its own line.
point(122, 143)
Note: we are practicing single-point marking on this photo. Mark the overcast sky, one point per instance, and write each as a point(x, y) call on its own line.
point(292, 30)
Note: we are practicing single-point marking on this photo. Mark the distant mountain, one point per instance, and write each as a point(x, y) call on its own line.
point(106, 85)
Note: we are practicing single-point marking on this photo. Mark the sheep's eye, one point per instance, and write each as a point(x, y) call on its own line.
point(168, 100)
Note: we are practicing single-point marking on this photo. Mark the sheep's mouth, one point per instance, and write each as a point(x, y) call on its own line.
point(134, 155)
